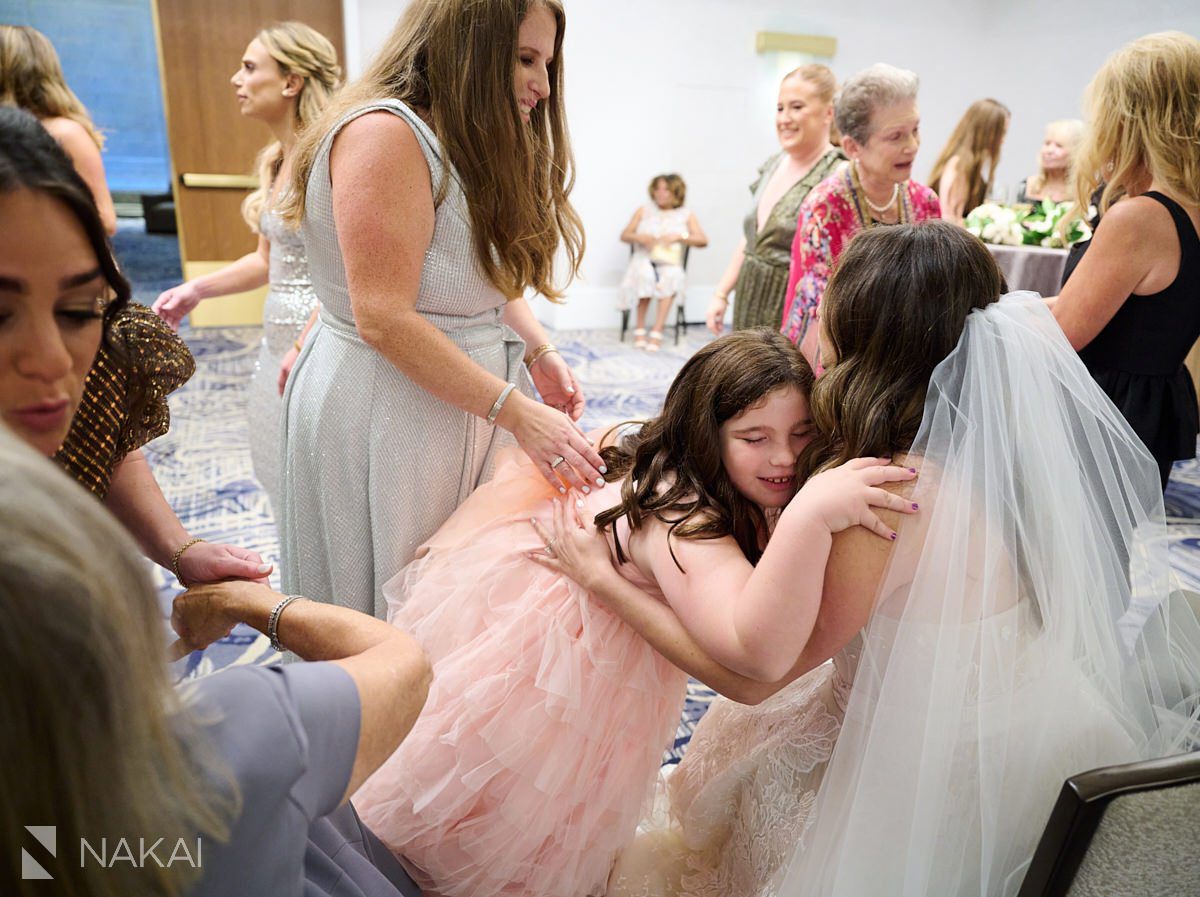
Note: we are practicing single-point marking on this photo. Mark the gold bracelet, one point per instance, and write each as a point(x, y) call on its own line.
point(175, 558)
point(544, 349)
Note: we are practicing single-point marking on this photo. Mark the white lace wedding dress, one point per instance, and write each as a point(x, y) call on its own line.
point(744, 794)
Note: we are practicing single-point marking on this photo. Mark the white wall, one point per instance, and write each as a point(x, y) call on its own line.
point(675, 85)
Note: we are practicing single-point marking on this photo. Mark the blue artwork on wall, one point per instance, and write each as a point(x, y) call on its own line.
point(110, 60)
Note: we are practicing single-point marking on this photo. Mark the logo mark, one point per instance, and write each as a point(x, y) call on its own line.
point(47, 839)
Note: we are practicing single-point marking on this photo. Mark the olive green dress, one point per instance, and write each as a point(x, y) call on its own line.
point(758, 296)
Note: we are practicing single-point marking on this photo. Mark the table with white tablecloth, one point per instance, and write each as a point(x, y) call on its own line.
point(1031, 267)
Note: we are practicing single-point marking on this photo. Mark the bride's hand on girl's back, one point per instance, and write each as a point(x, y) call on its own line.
point(846, 496)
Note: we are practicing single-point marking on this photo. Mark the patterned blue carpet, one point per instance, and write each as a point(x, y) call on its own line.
point(204, 468)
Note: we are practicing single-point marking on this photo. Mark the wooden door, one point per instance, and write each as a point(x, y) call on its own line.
point(200, 46)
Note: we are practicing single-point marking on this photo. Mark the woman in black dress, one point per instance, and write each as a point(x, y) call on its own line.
point(1131, 304)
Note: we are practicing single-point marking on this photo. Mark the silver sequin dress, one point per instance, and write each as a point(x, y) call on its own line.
point(290, 300)
point(373, 464)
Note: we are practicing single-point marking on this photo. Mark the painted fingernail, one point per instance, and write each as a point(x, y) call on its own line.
point(562, 490)
point(915, 506)
point(912, 470)
point(533, 521)
point(600, 481)
point(587, 489)
point(604, 468)
point(571, 390)
point(264, 568)
point(579, 503)
point(893, 537)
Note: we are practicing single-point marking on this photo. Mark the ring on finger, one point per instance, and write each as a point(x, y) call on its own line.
point(559, 459)
point(550, 547)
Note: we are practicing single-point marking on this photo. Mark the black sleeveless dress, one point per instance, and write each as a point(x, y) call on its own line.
point(1138, 357)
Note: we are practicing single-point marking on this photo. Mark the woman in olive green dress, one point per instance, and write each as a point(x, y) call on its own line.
point(758, 272)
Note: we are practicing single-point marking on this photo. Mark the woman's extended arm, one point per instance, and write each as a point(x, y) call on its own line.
point(383, 209)
point(388, 667)
point(581, 553)
point(715, 318)
point(247, 273)
point(135, 499)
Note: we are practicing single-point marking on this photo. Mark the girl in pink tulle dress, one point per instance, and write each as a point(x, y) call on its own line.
point(540, 742)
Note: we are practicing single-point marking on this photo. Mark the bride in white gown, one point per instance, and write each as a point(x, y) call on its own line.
point(1022, 628)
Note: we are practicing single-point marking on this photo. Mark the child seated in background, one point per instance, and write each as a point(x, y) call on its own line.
point(659, 233)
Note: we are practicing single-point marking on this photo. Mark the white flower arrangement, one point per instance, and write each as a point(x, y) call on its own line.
point(1025, 226)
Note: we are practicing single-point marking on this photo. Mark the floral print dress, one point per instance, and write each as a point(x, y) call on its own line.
point(830, 216)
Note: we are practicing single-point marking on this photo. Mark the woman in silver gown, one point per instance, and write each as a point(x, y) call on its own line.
point(423, 238)
point(286, 77)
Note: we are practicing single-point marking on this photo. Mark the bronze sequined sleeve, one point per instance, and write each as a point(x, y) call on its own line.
point(124, 403)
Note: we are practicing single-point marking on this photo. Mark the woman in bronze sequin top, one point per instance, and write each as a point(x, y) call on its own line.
point(84, 375)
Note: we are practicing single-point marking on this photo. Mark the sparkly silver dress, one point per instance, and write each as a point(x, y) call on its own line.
point(372, 464)
point(290, 300)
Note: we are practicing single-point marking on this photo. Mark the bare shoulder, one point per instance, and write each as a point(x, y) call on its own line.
point(68, 132)
point(1135, 218)
point(379, 134)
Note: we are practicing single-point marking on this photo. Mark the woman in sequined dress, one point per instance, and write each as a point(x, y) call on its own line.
point(432, 196)
point(287, 75)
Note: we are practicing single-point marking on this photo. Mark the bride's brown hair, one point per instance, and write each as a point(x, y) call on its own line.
point(672, 468)
point(453, 61)
point(894, 308)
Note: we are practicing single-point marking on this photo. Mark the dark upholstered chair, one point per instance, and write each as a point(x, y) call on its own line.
point(1123, 831)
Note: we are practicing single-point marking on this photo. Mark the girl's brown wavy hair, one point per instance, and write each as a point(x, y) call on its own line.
point(453, 61)
point(894, 308)
point(672, 470)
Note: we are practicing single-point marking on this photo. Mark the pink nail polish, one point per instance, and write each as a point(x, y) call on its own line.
point(893, 537)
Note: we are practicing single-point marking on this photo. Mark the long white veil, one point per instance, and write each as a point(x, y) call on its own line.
point(1025, 630)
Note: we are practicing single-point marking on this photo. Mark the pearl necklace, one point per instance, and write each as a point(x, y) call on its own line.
point(866, 197)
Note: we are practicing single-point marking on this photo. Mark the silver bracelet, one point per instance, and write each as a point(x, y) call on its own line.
point(499, 403)
point(273, 620)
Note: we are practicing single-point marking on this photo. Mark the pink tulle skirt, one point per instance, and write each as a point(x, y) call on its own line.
point(539, 745)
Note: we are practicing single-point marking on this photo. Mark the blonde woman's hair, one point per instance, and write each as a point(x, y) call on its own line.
point(1143, 109)
point(300, 50)
point(675, 184)
point(1068, 131)
point(31, 77)
point(453, 61)
point(94, 739)
point(976, 141)
point(822, 78)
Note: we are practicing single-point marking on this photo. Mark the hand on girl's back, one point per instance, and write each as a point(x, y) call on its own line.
point(846, 496)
